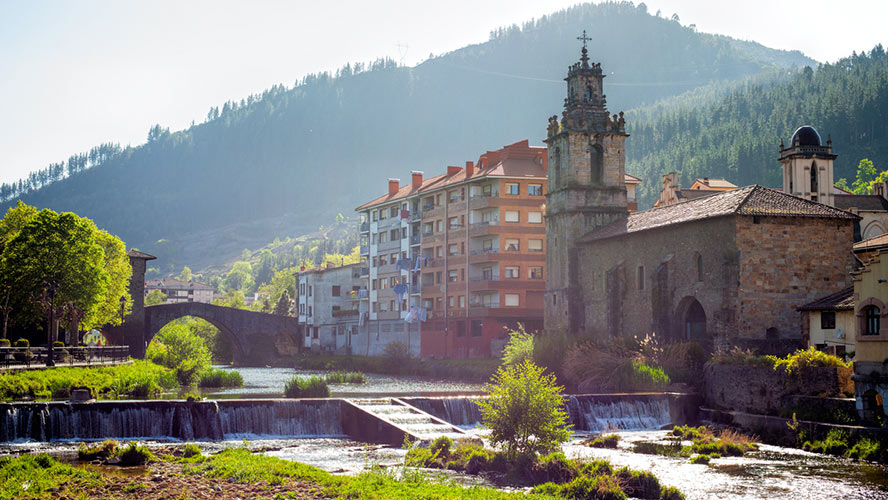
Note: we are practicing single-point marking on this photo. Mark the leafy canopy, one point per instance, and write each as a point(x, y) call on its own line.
point(524, 410)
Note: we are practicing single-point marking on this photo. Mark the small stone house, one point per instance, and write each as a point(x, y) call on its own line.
point(829, 323)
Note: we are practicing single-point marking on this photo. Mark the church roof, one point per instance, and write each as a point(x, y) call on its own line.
point(841, 300)
point(866, 202)
point(806, 136)
point(750, 200)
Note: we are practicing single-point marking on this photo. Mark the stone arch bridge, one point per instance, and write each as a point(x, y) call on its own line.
point(256, 336)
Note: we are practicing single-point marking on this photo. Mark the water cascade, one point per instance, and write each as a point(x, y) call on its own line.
point(458, 411)
point(618, 412)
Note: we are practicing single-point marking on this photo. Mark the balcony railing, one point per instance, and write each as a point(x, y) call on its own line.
point(485, 277)
point(365, 249)
point(483, 305)
point(482, 251)
point(365, 227)
point(491, 194)
point(365, 271)
point(414, 240)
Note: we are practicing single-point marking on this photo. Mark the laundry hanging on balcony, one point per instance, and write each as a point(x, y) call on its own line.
point(401, 290)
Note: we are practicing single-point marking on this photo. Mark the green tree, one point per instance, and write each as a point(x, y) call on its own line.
point(155, 297)
point(177, 347)
point(866, 174)
point(62, 249)
point(282, 307)
point(263, 272)
point(185, 275)
point(119, 270)
point(524, 410)
point(239, 278)
point(519, 348)
point(15, 219)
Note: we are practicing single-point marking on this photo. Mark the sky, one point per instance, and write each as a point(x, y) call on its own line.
point(74, 74)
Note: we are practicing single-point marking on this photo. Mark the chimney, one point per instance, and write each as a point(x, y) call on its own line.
point(452, 170)
point(393, 186)
point(416, 176)
point(470, 169)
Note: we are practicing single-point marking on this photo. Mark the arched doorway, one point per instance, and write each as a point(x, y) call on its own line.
point(691, 321)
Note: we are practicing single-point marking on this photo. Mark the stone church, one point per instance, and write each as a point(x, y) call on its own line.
point(725, 269)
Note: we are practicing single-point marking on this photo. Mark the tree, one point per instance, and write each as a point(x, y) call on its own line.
point(282, 307)
point(239, 278)
point(175, 346)
point(524, 410)
point(155, 297)
point(866, 174)
point(519, 348)
point(63, 249)
point(185, 275)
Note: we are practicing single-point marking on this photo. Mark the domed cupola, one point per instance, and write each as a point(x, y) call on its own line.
point(806, 136)
point(808, 166)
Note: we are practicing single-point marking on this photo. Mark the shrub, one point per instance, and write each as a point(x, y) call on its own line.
point(683, 362)
point(345, 378)
point(309, 387)
point(519, 347)
point(865, 449)
point(639, 484)
point(615, 367)
point(549, 349)
point(134, 454)
point(191, 450)
point(22, 343)
point(4, 343)
point(810, 357)
point(691, 432)
point(604, 487)
point(700, 459)
point(97, 451)
point(524, 410)
point(554, 467)
point(397, 356)
point(673, 449)
point(441, 446)
point(58, 344)
point(608, 441)
point(671, 493)
point(215, 377)
point(737, 356)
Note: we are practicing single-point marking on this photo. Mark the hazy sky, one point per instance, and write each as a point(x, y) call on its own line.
point(74, 74)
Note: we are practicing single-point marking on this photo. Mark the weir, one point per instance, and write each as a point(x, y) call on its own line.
point(386, 420)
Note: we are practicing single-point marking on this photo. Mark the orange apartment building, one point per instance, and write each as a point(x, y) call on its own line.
point(454, 260)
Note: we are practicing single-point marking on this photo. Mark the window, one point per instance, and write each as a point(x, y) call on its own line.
point(512, 244)
point(383, 307)
point(382, 237)
point(487, 244)
point(375, 261)
point(439, 226)
point(452, 249)
point(512, 216)
point(309, 310)
point(487, 190)
point(450, 301)
point(382, 284)
point(535, 245)
point(535, 272)
point(512, 272)
point(439, 251)
point(454, 196)
point(512, 188)
point(871, 320)
point(699, 267)
point(438, 277)
point(487, 272)
point(393, 212)
point(476, 328)
point(640, 277)
point(309, 290)
point(827, 320)
point(452, 276)
point(453, 222)
point(535, 217)
point(382, 214)
point(395, 234)
point(427, 229)
point(394, 258)
point(335, 291)
point(394, 280)
point(439, 301)
point(373, 284)
point(376, 307)
point(462, 301)
point(511, 300)
point(373, 216)
point(334, 309)
point(596, 163)
point(535, 189)
point(301, 288)
point(383, 260)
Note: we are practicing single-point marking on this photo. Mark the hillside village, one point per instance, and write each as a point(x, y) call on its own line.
point(549, 237)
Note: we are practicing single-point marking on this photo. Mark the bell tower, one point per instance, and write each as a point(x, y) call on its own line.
point(586, 187)
point(808, 166)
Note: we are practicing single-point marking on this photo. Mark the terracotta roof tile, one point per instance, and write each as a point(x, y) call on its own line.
point(750, 200)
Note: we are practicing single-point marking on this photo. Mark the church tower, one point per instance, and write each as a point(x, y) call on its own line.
point(586, 187)
point(808, 166)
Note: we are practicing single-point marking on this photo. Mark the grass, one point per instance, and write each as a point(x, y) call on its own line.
point(607, 441)
point(340, 377)
point(134, 454)
point(308, 387)
point(838, 442)
point(139, 379)
point(727, 442)
point(191, 450)
point(803, 358)
point(215, 377)
point(466, 369)
point(98, 451)
point(34, 475)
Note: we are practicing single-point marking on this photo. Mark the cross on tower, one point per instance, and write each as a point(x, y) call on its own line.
point(584, 38)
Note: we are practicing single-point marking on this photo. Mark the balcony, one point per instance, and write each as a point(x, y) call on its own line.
point(483, 200)
point(484, 277)
point(365, 227)
point(432, 211)
point(365, 271)
point(415, 239)
point(415, 216)
point(365, 249)
point(483, 227)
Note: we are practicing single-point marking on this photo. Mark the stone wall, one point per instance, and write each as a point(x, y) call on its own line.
point(786, 262)
point(761, 389)
point(615, 304)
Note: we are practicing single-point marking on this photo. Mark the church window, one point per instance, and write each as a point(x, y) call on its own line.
point(557, 164)
point(535, 189)
point(814, 185)
point(513, 188)
point(871, 320)
point(588, 93)
point(596, 163)
point(827, 320)
point(699, 267)
point(640, 278)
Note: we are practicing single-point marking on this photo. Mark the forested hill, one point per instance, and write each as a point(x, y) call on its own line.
point(328, 144)
point(737, 135)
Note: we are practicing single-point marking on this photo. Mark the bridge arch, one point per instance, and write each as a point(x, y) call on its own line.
point(253, 333)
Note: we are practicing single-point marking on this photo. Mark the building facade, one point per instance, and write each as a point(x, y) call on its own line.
point(871, 354)
point(728, 268)
point(327, 306)
point(181, 291)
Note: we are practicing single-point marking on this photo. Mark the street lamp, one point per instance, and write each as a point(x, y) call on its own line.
point(122, 306)
point(51, 287)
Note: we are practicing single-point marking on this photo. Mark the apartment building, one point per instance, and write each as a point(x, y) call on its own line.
point(328, 308)
point(181, 291)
